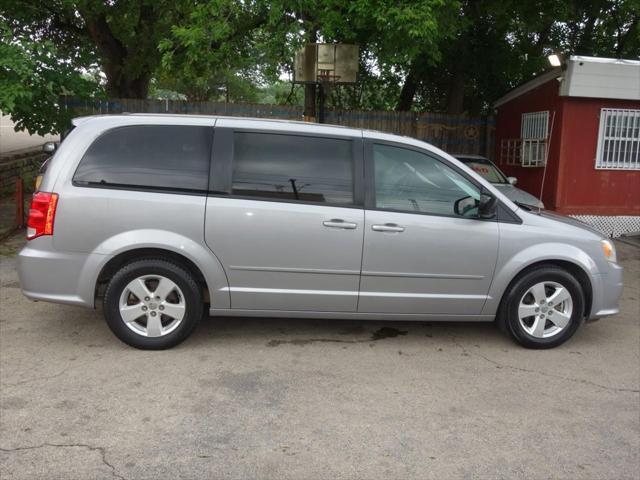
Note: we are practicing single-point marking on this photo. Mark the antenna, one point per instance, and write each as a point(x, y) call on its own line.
point(546, 157)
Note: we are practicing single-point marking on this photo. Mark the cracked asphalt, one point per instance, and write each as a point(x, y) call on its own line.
point(315, 399)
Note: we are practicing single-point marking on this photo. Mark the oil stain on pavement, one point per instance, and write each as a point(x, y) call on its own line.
point(380, 334)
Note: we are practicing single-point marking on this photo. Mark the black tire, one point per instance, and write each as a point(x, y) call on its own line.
point(508, 319)
point(153, 266)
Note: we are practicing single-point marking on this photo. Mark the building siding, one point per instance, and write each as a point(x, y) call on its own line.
point(572, 184)
point(508, 124)
point(581, 188)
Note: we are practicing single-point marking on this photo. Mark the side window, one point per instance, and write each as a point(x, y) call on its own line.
point(171, 157)
point(312, 169)
point(407, 180)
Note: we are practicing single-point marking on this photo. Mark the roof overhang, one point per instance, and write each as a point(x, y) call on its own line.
point(590, 77)
point(530, 85)
point(594, 77)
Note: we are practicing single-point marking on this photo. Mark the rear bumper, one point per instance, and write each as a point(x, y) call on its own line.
point(58, 277)
point(607, 292)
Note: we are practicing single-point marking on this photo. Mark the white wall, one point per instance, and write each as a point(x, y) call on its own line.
point(602, 78)
point(11, 141)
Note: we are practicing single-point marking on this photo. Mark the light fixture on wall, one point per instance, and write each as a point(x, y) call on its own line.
point(554, 60)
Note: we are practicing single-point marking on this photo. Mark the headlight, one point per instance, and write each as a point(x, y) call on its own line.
point(609, 250)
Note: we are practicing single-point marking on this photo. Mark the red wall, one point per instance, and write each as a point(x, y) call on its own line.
point(582, 189)
point(572, 183)
point(508, 123)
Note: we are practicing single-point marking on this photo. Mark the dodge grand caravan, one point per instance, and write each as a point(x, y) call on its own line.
point(166, 218)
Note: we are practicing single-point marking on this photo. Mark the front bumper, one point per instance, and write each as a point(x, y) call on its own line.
point(58, 277)
point(607, 290)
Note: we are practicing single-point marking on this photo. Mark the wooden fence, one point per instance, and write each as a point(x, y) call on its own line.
point(452, 133)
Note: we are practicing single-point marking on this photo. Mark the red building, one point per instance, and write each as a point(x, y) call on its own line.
point(573, 133)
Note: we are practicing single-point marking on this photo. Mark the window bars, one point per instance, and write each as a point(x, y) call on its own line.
point(618, 139)
point(524, 152)
point(534, 133)
point(510, 151)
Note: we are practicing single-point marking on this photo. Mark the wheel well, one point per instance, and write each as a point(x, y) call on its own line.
point(113, 265)
point(578, 273)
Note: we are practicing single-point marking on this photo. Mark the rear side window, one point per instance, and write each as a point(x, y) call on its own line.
point(165, 157)
point(293, 167)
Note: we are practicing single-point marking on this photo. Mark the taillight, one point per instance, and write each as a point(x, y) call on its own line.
point(42, 213)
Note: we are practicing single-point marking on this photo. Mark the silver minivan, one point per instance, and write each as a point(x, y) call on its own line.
point(165, 218)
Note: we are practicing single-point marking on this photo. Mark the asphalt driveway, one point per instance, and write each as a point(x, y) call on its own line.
point(315, 399)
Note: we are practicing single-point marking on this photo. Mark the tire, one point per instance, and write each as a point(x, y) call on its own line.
point(161, 300)
point(527, 316)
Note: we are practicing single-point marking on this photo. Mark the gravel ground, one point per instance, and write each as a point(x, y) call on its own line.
point(273, 398)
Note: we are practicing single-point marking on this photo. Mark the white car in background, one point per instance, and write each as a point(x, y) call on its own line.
point(493, 174)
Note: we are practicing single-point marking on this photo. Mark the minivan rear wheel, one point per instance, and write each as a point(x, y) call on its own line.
point(152, 304)
point(543, 308)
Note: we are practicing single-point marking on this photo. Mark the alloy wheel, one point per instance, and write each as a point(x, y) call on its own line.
point(545, 309)
point(152, 305)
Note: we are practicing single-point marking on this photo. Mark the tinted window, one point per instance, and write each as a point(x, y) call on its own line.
point(311, 169)
point(412, 181)
point(152, 156)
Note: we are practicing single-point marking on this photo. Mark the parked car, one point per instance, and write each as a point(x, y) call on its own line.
point(493, 174)
point(162, 218)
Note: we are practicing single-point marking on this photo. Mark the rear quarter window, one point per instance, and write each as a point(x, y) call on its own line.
point(163, 157)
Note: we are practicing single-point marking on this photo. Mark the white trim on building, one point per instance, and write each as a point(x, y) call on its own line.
point(595, 77)
point(591, 77)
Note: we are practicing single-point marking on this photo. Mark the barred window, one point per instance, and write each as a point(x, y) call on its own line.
point(619, 139)
point(534, 133)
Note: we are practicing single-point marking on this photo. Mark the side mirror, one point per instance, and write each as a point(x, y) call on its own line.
point(487, 206)
point(49, 147)
point(512, 180)
point(465, 205)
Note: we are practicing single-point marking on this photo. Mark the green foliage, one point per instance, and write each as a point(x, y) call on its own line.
point(212, 52)
point(32, 78)
point(439, 55)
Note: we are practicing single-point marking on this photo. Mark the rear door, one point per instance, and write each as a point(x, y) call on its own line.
point(285, 217)
point(420, 256)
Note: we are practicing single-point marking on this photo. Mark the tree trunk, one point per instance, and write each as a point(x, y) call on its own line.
point(455, 96)
point(121, 86)
point(115, 56)
point(405, 101)
point(310, 90)
point(310, 101)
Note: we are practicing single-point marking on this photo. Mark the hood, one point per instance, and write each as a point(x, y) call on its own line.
point(516, 195)
point(568, 221)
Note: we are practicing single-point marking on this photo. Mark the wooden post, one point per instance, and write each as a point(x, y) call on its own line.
point(19, 203)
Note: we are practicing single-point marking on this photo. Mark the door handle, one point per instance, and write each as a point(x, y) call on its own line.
point(339, 223)
point(387, 227)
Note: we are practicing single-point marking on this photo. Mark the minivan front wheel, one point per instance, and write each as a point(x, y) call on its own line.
point(543, 308)
point(152, 304)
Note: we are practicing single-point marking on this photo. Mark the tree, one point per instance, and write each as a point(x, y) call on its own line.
point(121, 36)
point(32, 78)
point(213, 51)
point(499, 44)
point(398, 40)
point(440, 55)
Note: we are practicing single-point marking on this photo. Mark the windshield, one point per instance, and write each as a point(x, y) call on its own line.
point(486, 168)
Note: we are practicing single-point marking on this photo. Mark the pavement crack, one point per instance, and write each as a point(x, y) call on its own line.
point(544, 374)
point(101, 450)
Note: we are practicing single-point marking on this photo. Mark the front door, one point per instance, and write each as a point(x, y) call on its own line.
point(420, 256)
point(289, 232)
